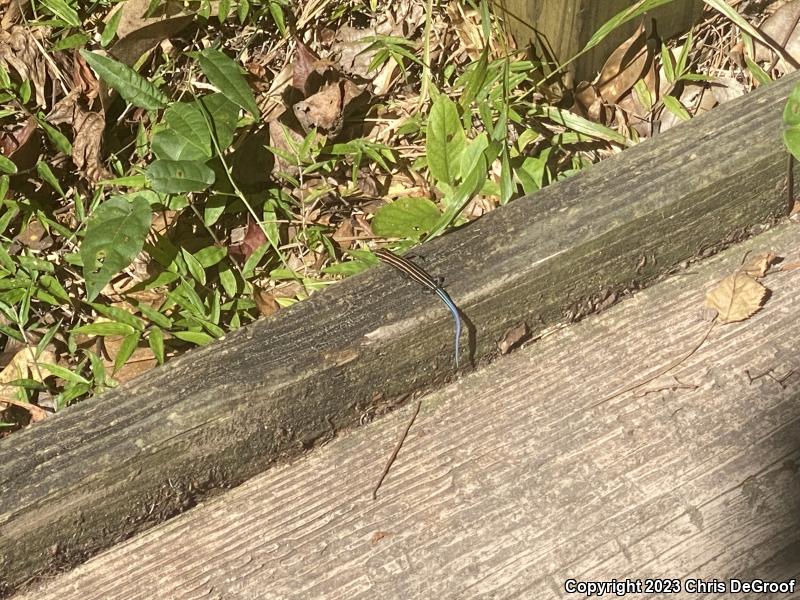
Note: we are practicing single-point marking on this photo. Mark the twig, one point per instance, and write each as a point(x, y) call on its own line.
point(395, 451)
point(660, 372)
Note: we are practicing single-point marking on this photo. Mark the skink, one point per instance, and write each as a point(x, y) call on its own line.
point(420, 276)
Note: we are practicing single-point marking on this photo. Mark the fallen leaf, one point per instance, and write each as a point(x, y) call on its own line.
point(22, 366)
point(19, 51)
point(736, 298)
point(307, 68)
point(782, 28)
point(323, 109)
point(265, 301)
point(626, 65)
point(34, 236)
point(22, 144)
point(88, 128)
point(137, 34)
point(758, 265)
point(512, 337)
point(246, 242)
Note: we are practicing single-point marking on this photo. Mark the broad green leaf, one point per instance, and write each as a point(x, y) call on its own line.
point(115, 234)
point(406, 218)
point(183, 134)
point(105, 328)
point(756, 71)
point(791, 123)
point(44, 171)
point(226, 76)
point(179, 176)
point(7, 166)
point(154, 315)
point(59, 140)
point(445, 140)
point(224, 115)
point(137, 90)
point(228, 280)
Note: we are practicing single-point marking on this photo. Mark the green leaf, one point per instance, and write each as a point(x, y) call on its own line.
point(472, 153)
point(156, 341)
point(756, 71)
point(791, 123)
point(445, 140)
point(126, 349)
point(673, 105)
point(224, 116)
point(59, 140)
point(110, 30)
point(44, 171)
point(137, 90)
point(105, 328)
point(76, 40)
point(63, 11)
point(7, 166)
point(114, 236)
point(577, 123)
point(183, 135)
point(228, 280)
point(477, 78)
point(621, 17)
point(409, 218)
point(119, 315)
point(179, 176)
point(63, 373)
point(226, 76)
point(195, 337)
point(210, 256)
point(154, 315)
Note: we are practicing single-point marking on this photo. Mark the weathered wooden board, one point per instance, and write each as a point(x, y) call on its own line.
point(138, 455)
point(511, 482)
point(564, 27)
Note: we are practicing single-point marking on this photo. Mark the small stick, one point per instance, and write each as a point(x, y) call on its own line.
point(396, 450)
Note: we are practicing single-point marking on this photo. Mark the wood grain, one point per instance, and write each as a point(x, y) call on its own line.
point(113, 466)
point(510, 482)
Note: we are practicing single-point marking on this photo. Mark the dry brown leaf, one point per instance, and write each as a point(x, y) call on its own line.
point(19, 52)
point(736, 298)
point(307, 68)
point(782, 28)
point(758, 265)
point(283, 137)
point(87, 127)
point(512, 337)
point(34, 236)
point(246, 241)
point(323, 109)
point(265, 301)
point(137, 34)
point(626, 65)
point(23, 144)
point(22, 366)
